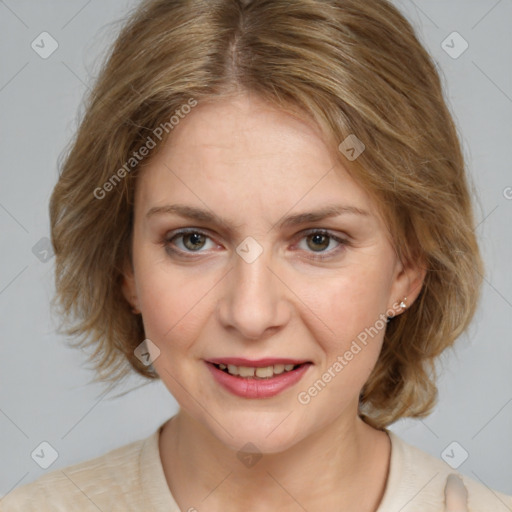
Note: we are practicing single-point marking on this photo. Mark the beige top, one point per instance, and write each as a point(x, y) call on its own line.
point(131, 479)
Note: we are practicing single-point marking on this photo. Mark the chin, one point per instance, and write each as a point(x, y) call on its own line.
point(252, 433)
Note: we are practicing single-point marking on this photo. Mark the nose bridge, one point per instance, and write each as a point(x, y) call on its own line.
point(254, 298)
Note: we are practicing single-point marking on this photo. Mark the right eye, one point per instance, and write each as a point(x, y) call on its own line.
point(186, 241)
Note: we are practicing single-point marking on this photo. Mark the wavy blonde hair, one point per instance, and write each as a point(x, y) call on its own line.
point(351, 67)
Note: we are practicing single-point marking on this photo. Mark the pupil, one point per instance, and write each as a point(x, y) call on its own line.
point(195, 239)
point(318, 238)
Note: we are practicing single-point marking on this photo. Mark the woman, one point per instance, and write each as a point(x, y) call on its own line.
point(266, 207)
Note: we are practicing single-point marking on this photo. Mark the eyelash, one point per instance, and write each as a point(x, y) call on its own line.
point(166, 243)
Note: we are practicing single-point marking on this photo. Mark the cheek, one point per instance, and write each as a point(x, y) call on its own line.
point(350, 302)
point(347, 325)
point(172, 305)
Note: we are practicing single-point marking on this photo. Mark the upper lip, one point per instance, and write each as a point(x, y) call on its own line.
point(257, 363)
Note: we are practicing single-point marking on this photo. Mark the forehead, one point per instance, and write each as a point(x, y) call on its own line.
point(243, 129)
point(243, 152)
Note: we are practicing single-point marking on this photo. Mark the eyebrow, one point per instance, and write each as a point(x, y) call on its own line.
point(201, 215)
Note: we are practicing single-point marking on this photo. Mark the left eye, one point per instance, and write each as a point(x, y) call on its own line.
point(319, 241)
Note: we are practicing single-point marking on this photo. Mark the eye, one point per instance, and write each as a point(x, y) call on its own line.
point(318, 241)
point(187, 241)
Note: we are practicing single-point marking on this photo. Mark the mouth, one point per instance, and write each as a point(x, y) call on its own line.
point(256, 369)
point(264, 378)
point(261, 372)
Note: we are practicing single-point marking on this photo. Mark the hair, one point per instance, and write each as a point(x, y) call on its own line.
point(348, 66)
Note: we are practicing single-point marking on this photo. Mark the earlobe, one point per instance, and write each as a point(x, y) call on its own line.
point(417, 273)
point(408, 285)
point(129, 290)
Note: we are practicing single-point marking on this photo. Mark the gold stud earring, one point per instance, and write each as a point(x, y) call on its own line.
point(402, 304)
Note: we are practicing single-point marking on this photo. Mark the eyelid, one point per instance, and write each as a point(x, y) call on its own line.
point(324, 231)
point(183, 231)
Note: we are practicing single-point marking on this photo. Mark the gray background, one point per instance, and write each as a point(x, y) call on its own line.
point(44, 394)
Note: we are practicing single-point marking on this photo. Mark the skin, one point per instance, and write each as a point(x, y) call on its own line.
point(252, 165)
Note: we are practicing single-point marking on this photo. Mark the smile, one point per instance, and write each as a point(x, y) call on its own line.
point(262, 372)
point(257, 379)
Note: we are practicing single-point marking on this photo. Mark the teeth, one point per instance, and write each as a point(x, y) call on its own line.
point(264, 372)
point(278, 368)
point(233, 369)
point(245, 371)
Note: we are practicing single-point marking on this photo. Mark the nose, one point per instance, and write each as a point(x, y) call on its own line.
point(255, 298)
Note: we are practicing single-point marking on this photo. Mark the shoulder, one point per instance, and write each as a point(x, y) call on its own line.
point(102, 483)
point(418, 479)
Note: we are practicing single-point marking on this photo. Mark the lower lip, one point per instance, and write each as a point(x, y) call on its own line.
point(257, 388)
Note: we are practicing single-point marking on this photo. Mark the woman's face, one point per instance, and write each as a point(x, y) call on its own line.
point(258, 275)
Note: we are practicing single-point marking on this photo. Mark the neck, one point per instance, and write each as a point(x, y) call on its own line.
point(341, 466)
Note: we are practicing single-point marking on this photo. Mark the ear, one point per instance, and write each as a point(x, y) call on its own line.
point(128, 287)
point(409, 279)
